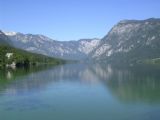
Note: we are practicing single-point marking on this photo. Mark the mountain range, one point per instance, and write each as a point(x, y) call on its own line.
point(11, 56)
point(72, 50)
point(128, 41)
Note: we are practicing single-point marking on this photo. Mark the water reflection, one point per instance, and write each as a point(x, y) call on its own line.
point(133, 84)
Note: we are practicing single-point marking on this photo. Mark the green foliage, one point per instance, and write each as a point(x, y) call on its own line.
point(23, 58)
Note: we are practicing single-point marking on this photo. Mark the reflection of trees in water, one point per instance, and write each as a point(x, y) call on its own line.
point(18, 79)
point(23, 80)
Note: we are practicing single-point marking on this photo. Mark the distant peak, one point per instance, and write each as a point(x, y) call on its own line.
point(9, 33)
point(136, 21)
point(88, 39)
point(123, 21)
point(128, 21)
point(153, 19)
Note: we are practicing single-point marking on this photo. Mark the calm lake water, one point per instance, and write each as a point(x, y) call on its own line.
point(80, 92)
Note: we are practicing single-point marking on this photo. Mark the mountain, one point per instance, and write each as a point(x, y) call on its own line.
point(11, 56)
point(4, 40)
point(130, 41)
point(75, 50)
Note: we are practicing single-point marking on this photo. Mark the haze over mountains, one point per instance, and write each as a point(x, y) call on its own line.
point(128, 41)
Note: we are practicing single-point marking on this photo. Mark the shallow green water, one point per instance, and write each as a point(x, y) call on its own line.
point(80, 92)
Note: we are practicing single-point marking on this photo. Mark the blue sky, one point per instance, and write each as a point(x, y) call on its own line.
point(72, 19)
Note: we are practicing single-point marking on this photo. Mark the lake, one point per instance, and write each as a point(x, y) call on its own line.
point(80, 92)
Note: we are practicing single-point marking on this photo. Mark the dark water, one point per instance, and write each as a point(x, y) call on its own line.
point(80, 92)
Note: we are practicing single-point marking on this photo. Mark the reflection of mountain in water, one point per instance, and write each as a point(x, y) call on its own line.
point(135, 84)
point(26, 80)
